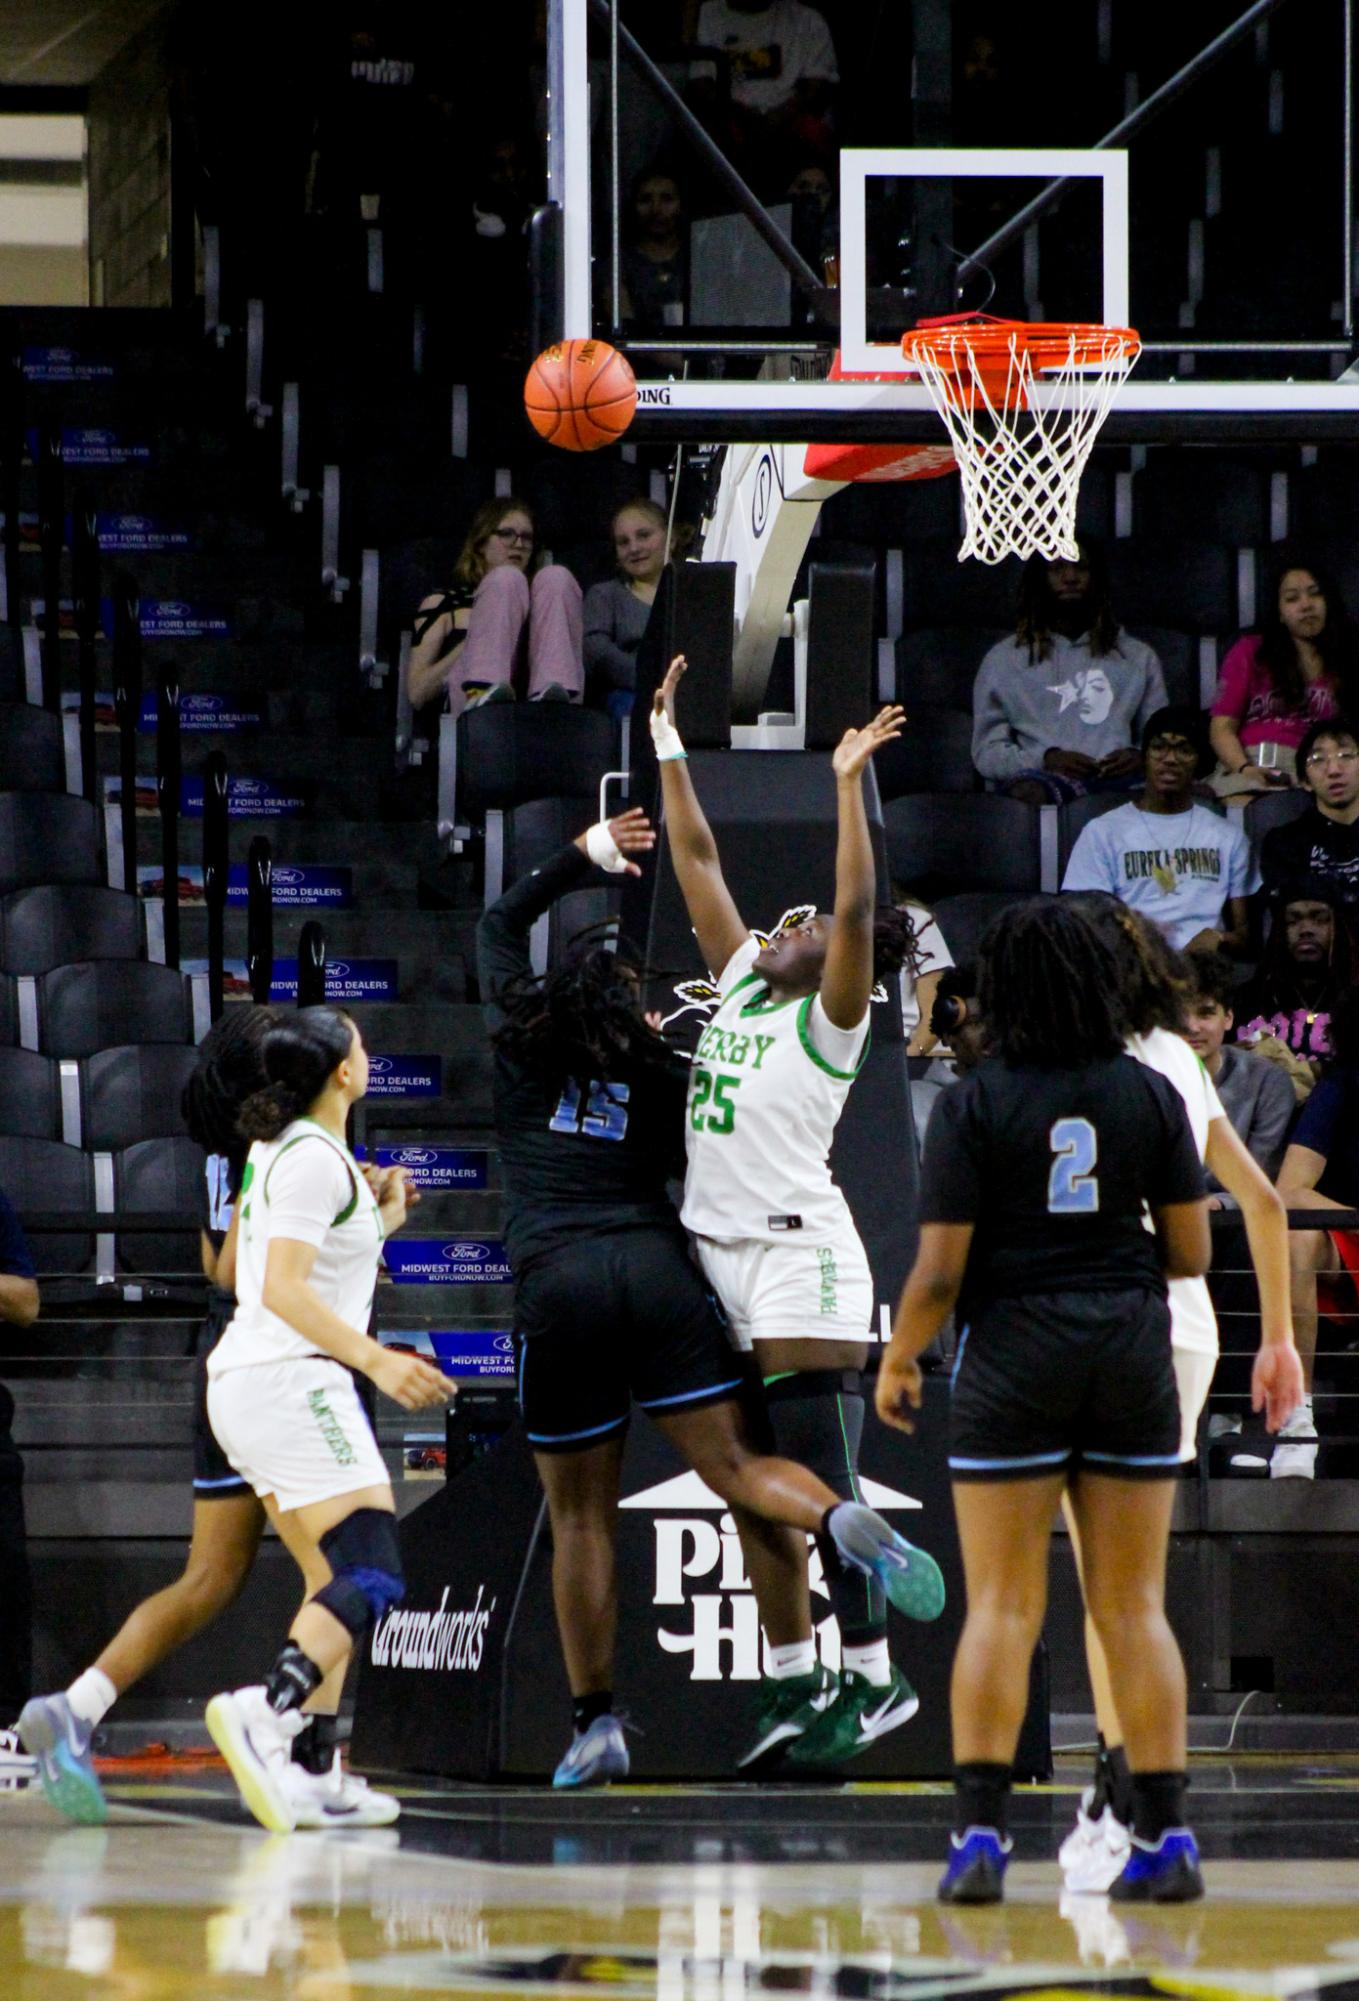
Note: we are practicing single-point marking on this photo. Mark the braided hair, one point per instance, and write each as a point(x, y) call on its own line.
point(230, 1068)
point(896, 942)
point(1050, 986)
point(1156, 983)
point(581, 1020)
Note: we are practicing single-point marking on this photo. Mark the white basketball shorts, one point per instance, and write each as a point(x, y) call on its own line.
point(296, 1430)
point(791, 1291)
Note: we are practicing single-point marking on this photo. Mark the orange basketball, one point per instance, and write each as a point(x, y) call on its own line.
point(580, 394)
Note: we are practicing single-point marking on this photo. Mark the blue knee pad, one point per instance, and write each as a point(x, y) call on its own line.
point(365, 1556)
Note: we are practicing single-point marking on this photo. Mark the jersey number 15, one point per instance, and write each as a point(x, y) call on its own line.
point(1073, 1187)
point(606, 1111)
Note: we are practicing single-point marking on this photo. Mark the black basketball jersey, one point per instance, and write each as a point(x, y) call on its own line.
point(1056, 1168)
point(577, 1156)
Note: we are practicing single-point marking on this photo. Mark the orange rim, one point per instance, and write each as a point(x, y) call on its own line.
point(968, 345)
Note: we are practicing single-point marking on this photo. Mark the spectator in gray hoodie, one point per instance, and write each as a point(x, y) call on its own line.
point(1058, 710)
point(1256, 1095)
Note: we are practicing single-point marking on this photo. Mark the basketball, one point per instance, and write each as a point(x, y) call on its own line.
point(580, 394)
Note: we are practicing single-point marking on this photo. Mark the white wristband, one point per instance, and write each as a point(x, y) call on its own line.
point(665, 737)
point(603, 849)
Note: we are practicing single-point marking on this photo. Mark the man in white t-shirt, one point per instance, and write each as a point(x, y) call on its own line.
point(783, 75)
point(1185, 867)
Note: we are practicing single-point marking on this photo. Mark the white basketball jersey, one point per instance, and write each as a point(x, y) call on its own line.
point(1193, 1323)
point(763, 1102)
point(305, 1186)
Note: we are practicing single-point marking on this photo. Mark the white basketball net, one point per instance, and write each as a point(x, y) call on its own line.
point(1021, 457)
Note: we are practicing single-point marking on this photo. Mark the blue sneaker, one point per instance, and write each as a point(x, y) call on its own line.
point(597, 1756)
point(1166, 1872)
point(50, 1731)
point(976, 1867)
point(911, 1578)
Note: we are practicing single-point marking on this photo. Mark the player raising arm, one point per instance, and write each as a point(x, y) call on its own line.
point(1038, 1170)
point(610, 1309)
point(772, 1230)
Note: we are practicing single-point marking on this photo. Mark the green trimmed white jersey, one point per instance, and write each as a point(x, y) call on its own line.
point(306, 1186)
point(769, 1080)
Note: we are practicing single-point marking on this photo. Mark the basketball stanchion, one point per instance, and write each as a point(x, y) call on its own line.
point(1023, 403)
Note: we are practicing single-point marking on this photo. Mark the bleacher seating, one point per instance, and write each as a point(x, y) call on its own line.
point(54, 925)
point(52, 1178)
point(102, 1003)
point(32, 749)
point(30, 1095)
point(942, 844)
point(48, 837)
point(151, 1176)
point(133, 1093)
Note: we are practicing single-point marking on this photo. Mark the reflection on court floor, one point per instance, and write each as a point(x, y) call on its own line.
point(675, 1893)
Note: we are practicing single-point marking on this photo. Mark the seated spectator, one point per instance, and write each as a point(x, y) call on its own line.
point(956, 1036)
point(1182, 865)
point(617, 611)
point(18, 1308)
point(1256, 1096)
point(1301, 668)
point(783, 77)
point(1323, 842)
point(1321, 1171)
point(816, 218)
point(1309, 964)
point(655, 255)
point(499, 620)
point(1058, 709)
point(928, 961)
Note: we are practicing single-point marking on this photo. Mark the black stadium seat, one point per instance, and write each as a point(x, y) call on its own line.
point(39, 1174)
point(939, 844)
point(511, 752)
point(1268, 810)
point(932, 754)
point(30, 1095)
point(963, 919)
point(32, 749)
point(103, 1002)
point(1077, 815)
point(155, 1175)
point(59, 923)
point(133, 1093)
point(48, 837)
point(1190, 587)
point(9, 1012)
point(937, 665)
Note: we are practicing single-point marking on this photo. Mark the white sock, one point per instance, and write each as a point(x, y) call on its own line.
point(92, 1695)
point(872, 1662)
point(797, 1658)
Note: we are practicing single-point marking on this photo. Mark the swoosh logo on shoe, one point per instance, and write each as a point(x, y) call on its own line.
point(872, 1724)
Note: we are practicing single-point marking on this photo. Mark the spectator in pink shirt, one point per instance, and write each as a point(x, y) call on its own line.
point(1302, 668)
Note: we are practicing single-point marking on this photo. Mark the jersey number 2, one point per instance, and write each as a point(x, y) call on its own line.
point(1073, 1189)
point(606, 1111)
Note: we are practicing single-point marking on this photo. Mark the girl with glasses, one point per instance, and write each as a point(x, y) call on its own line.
point(502, 622)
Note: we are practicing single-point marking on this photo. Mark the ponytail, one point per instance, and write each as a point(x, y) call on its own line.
point(300, 1053)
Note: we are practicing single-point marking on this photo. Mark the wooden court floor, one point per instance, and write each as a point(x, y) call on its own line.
point(666, 1892)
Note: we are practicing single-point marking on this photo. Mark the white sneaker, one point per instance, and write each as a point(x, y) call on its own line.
point(256, 1743)
point(1101, 1939)
point(17, 1769)
point(1093, 1855)
point(337, 1798)
point(1081, 1834)
point(1295, 1451)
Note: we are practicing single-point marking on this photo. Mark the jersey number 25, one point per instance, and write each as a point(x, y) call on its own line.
point(1073, 1188)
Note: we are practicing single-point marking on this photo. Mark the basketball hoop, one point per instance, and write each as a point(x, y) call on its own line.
point(1021, 457)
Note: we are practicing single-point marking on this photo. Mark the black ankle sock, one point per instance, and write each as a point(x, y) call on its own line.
point(587, 1709)
point(1158, 1803)
point(980, 1792)
point(315, 1744)
point(1120, 1784)
point(291, 1680)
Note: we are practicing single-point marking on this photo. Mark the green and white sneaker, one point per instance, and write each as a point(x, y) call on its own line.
point(860, 1713)
point(787, 1709)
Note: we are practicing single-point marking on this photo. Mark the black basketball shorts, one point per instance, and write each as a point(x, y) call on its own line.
point(614, 1320)
point(1071, 1381)
point(214, 1477)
